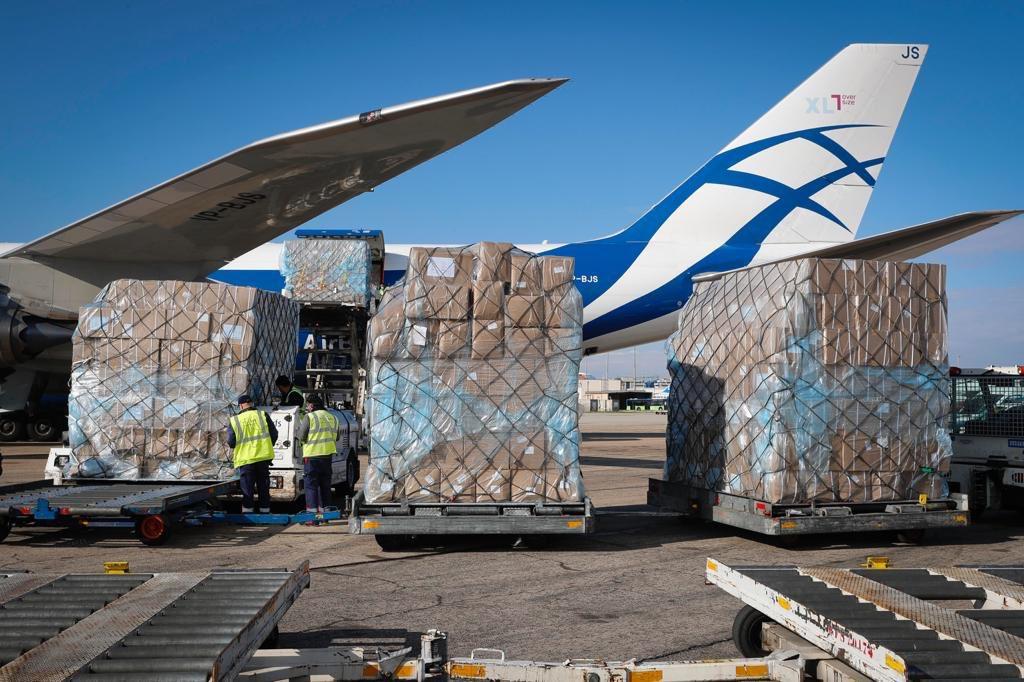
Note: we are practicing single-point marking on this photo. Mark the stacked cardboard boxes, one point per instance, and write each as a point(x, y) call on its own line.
point(327, 271)
point(813, 380)
point(157, 370)
point(473, 379)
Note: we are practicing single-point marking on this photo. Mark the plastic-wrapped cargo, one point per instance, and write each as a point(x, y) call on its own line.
point(327, 271)
point(157, 370)
point(813, 380)
point(474, 377)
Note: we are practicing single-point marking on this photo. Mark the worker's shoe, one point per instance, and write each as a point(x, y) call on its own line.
point(247, 510)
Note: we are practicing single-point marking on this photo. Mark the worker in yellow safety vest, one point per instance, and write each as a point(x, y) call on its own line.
point(318, 432)
point(290, 396)
point(252, 434)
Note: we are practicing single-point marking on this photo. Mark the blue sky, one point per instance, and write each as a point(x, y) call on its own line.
point(104, 99)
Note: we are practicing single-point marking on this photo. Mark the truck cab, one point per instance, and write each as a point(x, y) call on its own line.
point(986, 426)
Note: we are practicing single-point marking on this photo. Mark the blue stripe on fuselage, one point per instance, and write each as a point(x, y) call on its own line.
point(273, 280)
point(629, 243)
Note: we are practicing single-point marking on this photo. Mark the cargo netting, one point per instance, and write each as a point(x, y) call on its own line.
point(474, 379)
point(157, 370)
point(327, 271)
point(813, 380)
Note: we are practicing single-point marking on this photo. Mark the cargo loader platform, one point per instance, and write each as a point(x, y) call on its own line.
point(888, 623)
point(151, 508)
point(100, 627)
point(393, 524)
point(909, 518)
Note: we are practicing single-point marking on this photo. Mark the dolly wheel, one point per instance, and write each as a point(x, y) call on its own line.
point(5, 527)
point(911, 536)
point(746, 632)
point(394, 543)
point(152, 530)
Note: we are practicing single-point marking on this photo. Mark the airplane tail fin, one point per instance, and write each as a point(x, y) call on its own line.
point(804, 171)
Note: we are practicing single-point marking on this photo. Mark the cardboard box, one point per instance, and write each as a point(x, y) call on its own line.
point(524, 311)
point(452, 338)
point(493, 262)
point(526, 275)
point(488, 300)
point(440, 265)
point(556, 272)
point(436, 300)
point(523, 342)
point(488, 339)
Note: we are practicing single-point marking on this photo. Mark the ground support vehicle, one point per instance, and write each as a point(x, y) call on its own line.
point(908, 518)
point(152, 508)
point(986, 427)
point(286, 471)
point(395, 524)
point(887, 623)
point(182, 626)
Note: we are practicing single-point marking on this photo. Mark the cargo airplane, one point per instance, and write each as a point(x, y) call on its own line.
point(795, 183)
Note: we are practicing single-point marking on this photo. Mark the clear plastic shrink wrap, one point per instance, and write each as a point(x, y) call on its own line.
point(327, 271)
point(157, 370)
point(473, 379)
point(813, 380)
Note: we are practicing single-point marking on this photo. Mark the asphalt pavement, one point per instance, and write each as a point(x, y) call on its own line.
point(633, 589)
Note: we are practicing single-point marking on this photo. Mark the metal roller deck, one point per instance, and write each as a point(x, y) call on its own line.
point(162, 626)
point(895, 624)
point(101, 503)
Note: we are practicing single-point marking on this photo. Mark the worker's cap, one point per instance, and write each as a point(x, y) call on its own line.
point(244, 398)
point(283, 380)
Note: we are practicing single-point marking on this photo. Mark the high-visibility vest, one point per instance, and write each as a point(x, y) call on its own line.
point(323, 429)
point(252, 438)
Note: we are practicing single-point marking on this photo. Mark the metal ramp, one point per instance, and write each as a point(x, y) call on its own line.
point(181, 626)
point(895, 624)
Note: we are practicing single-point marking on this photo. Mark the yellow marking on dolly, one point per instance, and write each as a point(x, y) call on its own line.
point(645, 676)
point(922, 500)
point(788, 524)
point(783, 602)
point(406, 671)
point(876, 562)
point(895, 663)
point(471, 671)
point(370, 525)
point(574, 524)
point(712, 565)
point(960, 518)
point(115, 567)
point(755, 671)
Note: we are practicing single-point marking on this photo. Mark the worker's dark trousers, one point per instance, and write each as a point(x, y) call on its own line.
point(255, 476)
point(317, 479)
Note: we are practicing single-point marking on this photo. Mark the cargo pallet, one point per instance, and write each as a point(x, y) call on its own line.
point(394, 524)
point(181, 626)
point(909, 518)
point(152, 508)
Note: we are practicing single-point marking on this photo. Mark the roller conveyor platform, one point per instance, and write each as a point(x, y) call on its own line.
point(162, 626)
point(895, 624)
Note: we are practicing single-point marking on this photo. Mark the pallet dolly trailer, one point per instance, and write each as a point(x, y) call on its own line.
point(151, 508)
point(395, 524)
point(910, 519)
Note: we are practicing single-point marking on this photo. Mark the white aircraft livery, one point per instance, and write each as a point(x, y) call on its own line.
point(796, 182)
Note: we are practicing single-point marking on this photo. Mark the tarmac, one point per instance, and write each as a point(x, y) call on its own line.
point(633, 589)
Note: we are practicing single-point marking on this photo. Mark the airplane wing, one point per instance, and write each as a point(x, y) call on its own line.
point(193, 224)
point(899, 245)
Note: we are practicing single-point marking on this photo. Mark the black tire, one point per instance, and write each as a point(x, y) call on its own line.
point(746, 632)
point(153, 531)
point(5, 528)
point(348, 487)
point(912, 536)
point(271, 641)
point(12, 427)
point(43, 430)
point(394, 543)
